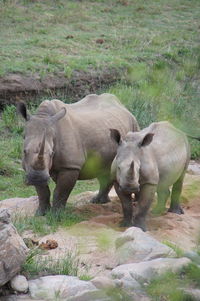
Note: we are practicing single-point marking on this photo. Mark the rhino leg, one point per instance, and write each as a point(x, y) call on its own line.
point(65, 182)
point(175, 196)
point(105, 186)
point(144, 200)
point(163, 195)
point(44, 199)
point(127, 206)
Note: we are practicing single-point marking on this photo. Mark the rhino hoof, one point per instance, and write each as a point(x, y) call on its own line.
point(142, 227)
point(41, 212)
point(177, 210)
point(126, 224)
point(140, 223)
point(102, 200)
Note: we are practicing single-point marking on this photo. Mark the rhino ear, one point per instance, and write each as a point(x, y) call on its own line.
point(21, 108)
point(58, 115)
point(146, 140)
point(115, 135)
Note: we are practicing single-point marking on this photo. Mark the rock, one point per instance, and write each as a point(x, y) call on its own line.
point(194, 293)
point(102, 282)
point(19, 283)
point(85, 197)
point(193, 256)
point(21, 297)
point(12, 249)
point(66, 287)
point(123, 278)
point(193, 168)
point(147, 270)
point(20, 206)
point(113, 196)
point(82, 199)
point(134, 245)
point(96, 295)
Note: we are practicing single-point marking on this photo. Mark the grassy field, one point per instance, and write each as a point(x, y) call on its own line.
point(155, 44)
point(61, 36)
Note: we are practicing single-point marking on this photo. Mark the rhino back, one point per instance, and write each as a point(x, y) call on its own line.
point(168, 153)
point(85, 129)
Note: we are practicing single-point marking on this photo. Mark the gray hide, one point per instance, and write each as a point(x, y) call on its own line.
point(72, 141)
point(148, 161)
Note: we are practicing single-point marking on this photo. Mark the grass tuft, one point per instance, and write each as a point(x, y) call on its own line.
point(49, 223)
point(179, 252)
point(38, 265)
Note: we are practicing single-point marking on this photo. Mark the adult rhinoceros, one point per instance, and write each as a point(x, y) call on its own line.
point(148, 161)
point(72, 141)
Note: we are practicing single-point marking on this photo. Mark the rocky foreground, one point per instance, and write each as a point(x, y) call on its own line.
point(114, 258)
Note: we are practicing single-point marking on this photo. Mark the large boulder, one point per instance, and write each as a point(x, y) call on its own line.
point(134, 245)
point(64, 287)
point(145, 271)
point(12, 249)
point(20, 206)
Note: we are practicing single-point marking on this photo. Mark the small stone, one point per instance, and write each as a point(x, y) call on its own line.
point(102, 282)
point(19, 283)
point(193, 256)
point(118, 283)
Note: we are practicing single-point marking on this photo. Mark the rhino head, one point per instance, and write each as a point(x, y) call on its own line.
point(38, 149)
point(127, 162)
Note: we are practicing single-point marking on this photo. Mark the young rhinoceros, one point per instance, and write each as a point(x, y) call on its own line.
point(147, 161)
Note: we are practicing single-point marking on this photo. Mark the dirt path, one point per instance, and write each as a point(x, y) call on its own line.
point(94, 240)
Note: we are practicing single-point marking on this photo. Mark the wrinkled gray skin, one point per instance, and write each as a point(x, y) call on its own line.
point(150, 161)
point(71, 142)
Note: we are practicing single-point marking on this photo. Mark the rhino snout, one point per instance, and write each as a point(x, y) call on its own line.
point(37, 177)
point(129, 189)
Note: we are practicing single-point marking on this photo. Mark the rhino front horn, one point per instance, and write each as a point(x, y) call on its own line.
point(42, 146)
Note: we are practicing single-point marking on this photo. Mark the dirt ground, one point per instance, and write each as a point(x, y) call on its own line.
point(94, 240)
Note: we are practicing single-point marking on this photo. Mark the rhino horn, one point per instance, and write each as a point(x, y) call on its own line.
point(131, 168)
point(42, 146)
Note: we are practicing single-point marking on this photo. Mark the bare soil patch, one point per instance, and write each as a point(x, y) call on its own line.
point(30, 87)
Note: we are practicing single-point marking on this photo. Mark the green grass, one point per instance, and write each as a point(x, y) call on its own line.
point(37, 265)
point(166, 288)
point(191, 191)
point(179, 252)
point(169, 287)
point(43, 225)
point(61, 36)
point(152, 92)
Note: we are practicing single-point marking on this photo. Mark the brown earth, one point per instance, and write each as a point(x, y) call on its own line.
point(30, 87)
point(94, 240)
point(181, 230)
